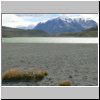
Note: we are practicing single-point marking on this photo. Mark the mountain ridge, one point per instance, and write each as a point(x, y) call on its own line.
point(59, 25)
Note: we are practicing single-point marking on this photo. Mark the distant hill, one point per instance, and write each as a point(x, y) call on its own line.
point(29, 27)
point(92, 32)
point(14, 32)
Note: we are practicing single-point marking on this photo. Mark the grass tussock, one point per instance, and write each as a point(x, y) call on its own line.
point(39, 74)
point(65, 83)
point(17, 74)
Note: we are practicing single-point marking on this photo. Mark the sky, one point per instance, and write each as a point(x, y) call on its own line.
point(16, 20)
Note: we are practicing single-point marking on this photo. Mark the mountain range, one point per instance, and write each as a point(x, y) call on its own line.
point(29, 27)
point(65, 24)
point(56, 27)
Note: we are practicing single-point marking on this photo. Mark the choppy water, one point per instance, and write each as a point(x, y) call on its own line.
point(48, 40)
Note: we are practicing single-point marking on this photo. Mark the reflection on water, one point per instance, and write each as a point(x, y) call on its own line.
point(48, 40)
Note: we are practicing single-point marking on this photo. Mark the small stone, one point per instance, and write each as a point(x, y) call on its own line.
point(70, 76)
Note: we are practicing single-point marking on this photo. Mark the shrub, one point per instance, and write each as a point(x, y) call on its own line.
point(18, 74)
point(39, 74)
point(65, 83)
point(13, 74)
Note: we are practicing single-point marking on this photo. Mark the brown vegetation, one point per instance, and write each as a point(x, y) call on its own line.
point(18, 74)
point(65, 83)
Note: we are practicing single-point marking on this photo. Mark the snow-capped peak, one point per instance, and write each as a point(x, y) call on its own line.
point(69, 19)
point(65, 18)
point(66, 24)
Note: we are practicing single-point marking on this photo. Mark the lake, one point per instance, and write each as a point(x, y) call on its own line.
point(48, 40)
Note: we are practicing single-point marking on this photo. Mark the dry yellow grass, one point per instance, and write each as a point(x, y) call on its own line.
point(65, 83)
point(13, 74)
point(39, 74)
point(17, 74)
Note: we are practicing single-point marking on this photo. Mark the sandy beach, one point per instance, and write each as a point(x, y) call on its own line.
point(75, 62)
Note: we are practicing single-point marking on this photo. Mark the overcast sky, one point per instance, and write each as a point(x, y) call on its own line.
point(15, 20)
